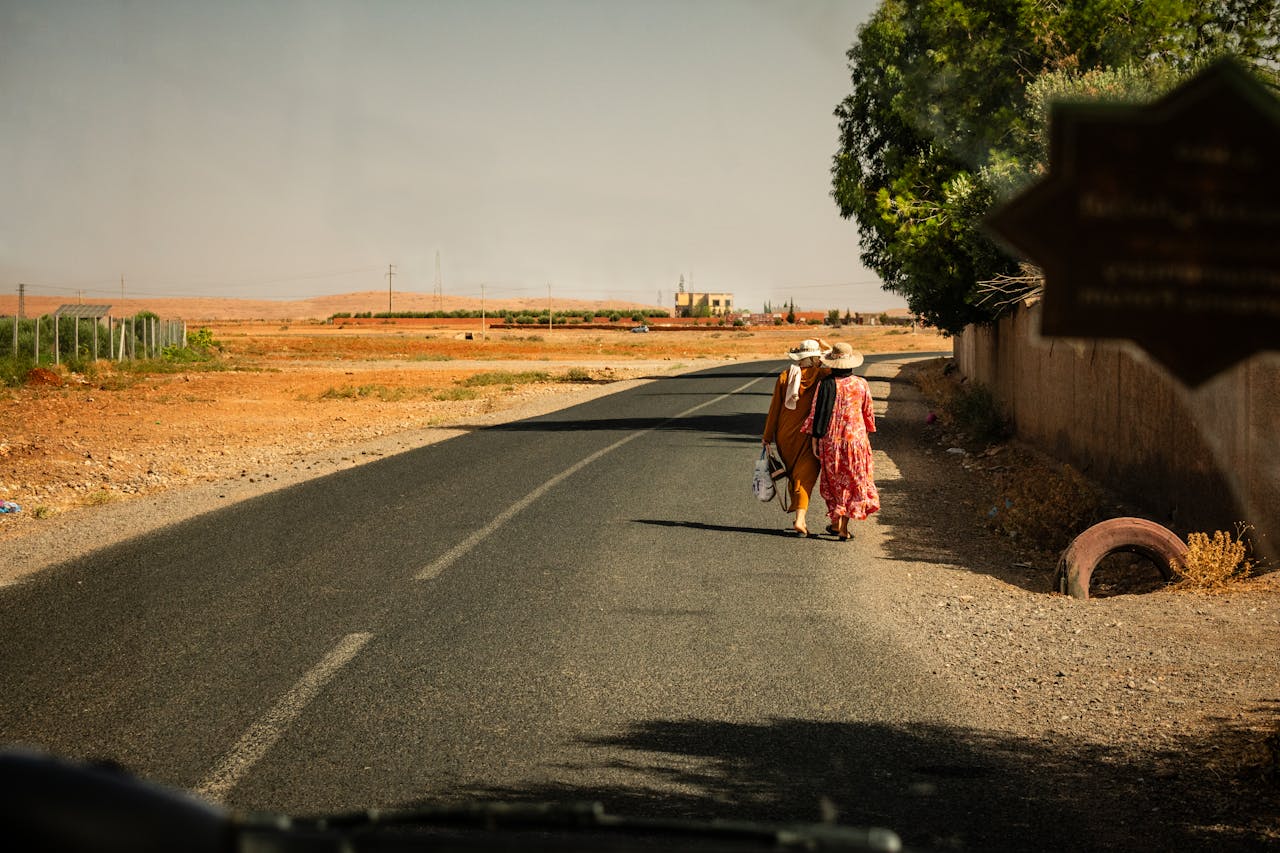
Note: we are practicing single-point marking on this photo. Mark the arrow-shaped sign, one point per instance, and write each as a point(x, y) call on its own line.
point(1161, 223)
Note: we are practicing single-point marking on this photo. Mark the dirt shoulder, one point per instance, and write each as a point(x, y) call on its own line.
point(1163, 707)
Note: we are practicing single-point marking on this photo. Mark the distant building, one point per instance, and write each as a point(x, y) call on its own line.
point(717, 304)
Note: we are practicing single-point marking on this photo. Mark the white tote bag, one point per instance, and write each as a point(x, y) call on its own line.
point(761, 481)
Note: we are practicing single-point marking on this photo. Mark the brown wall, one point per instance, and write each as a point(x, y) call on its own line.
point(1198, 459)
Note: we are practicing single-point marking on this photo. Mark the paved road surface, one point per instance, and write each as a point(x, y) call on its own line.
point(585, 605)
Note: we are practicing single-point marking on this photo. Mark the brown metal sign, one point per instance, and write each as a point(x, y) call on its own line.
point(1161, 223)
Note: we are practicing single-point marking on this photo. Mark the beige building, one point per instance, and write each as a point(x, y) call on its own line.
point(718, 304)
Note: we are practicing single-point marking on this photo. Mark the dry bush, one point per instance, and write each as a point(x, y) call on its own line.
point(1214, 562)
point(1044, 505)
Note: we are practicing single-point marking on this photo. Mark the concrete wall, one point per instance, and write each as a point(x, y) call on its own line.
point(1198, 459)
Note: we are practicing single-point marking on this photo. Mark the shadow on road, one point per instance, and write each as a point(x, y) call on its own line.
point(939, 788)
point(741, 423)
point(724, 528)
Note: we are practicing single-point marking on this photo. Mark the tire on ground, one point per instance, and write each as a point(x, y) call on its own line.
point(1116, 535)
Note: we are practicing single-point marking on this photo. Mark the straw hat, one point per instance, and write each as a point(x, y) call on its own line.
point(842, 357)
point(808, 348)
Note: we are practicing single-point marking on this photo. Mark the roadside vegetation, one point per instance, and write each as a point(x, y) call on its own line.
point(35, 360)
point(1214, 563)
point(464, 388)
point(519, 317)
point(1041, 504)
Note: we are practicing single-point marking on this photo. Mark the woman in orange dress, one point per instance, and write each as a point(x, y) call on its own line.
point(792, 398)
point(839, 422)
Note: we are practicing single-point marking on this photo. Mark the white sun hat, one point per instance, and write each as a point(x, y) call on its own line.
point(808, 349)
point(842, 357)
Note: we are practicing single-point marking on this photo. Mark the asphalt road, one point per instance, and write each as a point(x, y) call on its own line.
point(584, 605)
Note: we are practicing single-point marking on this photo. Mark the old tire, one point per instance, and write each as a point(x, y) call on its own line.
point(1117, 535)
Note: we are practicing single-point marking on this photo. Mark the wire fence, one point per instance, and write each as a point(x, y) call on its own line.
point(51, 339)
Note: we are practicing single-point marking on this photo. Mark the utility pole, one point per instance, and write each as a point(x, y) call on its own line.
point(548, 306)
point(122, 285)
point(483, 335)
point(439, 285)
point(391, 270)
point(22, 295)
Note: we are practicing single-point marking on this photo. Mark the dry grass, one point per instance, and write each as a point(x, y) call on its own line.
point(1044, 505)
point(1038, 502)
point(1214, 563)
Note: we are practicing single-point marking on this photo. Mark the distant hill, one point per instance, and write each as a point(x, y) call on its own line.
point(315, 308)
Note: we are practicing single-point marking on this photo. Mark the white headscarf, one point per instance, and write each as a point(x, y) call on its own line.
point(792, 397)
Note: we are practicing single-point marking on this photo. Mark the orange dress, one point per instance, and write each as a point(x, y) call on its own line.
point(782, 427)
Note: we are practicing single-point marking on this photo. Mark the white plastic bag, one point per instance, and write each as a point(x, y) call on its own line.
point(761, 481)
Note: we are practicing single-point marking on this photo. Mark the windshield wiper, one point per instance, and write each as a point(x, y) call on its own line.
point(55, 804)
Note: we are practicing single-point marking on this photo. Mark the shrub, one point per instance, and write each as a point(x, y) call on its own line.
point(13, 371)
point(453, 394)
point(973, 410)
point(184, 355)
point(1212, 563)
point(504, 377)
point(577, 374)
point(202, 339)
point(100, 497)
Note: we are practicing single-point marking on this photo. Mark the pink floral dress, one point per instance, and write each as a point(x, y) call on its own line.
point(847, 484)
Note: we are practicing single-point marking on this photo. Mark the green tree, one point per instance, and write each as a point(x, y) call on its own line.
point(791, 313)
point(939, 124)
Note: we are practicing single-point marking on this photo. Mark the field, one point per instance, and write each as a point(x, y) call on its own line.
point(278, 393)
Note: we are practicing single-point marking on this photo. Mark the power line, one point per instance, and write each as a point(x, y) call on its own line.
point(791, 287)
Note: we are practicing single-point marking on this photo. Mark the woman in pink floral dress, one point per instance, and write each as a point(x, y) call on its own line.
point(839, 421)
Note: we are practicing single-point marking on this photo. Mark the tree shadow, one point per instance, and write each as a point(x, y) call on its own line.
point(739, 423)
point(931, 510)
point(938, 787)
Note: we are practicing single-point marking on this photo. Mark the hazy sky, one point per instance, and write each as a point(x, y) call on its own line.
point(286, 149)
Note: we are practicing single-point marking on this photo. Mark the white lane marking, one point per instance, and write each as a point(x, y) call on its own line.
point(449, 557)
point(264, 733)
